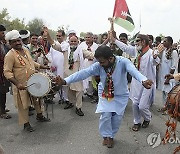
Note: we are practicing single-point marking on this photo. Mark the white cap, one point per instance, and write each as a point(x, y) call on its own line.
point(12, 35)
point(71, 31)
point(23, 36)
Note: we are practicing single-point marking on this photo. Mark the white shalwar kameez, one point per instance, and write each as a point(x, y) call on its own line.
point(165, 66)
point(87, 62)
point(142, 98)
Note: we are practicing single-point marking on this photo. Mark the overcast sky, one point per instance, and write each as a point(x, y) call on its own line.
point(157, 16)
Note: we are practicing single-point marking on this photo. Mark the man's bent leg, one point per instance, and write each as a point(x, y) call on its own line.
point(116, 122)
point(105, 125)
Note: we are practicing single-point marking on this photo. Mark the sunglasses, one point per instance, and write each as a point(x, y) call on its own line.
point(138, 40)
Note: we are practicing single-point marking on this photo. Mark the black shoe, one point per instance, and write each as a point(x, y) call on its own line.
point(27, 127)
point(42, 119)
point(79, 112)
point(61, 101)
point(31, 108)
point(145, 124)
point(68, 106)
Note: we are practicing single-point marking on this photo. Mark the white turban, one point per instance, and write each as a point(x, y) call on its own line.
point(12, 35)
point(71, 31)
point(23, 36)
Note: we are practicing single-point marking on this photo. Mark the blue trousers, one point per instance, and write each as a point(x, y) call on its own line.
point(109, 124)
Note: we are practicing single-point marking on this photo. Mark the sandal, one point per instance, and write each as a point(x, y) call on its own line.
point(136, 127)
point(145, 124)
point(5, 116)
point(161, 110)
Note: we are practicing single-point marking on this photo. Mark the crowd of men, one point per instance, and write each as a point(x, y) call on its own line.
point(97, 66)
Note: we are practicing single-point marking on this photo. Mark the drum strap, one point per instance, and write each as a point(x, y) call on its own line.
point(22, 62)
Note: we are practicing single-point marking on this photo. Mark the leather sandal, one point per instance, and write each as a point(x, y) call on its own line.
point(5, 116)
point(105, 141)
point(110, 143)
point(136, 127)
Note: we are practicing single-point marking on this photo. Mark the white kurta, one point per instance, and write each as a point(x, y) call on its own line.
point(87, 63)
point(58, 57)
point(148, 69)
point(57, 61)
point(165, 66)
point(77, 66)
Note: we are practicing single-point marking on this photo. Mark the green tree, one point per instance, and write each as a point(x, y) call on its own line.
point(35, 26)
point(64, 28)
point(162, 36)
point(82, 34)
point(16, 23)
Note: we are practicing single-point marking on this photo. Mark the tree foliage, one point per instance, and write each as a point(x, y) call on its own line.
point(34, 26)
point(9, 23)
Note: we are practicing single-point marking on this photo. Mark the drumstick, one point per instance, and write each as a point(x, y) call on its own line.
point(30, 85)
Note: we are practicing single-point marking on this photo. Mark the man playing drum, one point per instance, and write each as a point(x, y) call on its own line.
point(18, 67)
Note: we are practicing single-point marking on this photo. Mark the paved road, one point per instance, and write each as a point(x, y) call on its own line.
point(67, 133)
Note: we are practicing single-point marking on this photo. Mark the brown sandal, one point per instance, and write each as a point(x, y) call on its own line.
point(5, 116)
point(136, 127)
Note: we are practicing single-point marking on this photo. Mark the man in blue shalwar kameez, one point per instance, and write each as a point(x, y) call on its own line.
point(112, 89)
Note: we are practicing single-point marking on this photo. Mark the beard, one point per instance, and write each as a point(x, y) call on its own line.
point(73, 47)
point(139, 48)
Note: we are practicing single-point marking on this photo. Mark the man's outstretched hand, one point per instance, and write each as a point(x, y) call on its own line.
point(60, 81)
point(147, 84)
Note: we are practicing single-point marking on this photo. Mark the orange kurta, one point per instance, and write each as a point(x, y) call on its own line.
point(21, 71)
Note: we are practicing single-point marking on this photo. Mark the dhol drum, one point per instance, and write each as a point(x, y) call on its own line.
point(41, 85)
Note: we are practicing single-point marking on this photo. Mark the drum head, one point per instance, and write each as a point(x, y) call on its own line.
point(39, 85)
